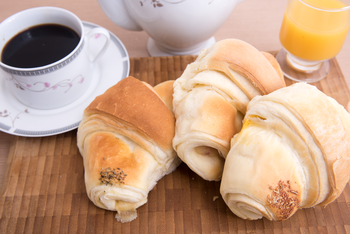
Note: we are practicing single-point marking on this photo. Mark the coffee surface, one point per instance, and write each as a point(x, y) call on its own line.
point(39, 46)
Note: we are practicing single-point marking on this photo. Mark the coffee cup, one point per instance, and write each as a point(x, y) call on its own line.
point(45, 57)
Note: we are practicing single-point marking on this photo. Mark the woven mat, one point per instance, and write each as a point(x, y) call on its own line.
point(44, 191)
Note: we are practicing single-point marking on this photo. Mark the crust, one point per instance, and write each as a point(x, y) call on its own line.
point(215, 117)
point(151, 115)
point(272, 60)
point(165, 91)
point(244, 59)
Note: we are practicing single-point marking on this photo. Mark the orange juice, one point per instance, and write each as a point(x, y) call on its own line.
point(314, 34)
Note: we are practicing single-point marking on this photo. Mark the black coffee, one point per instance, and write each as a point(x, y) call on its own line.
point(39, 45)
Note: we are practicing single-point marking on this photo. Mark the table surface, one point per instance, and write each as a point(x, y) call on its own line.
point(254, 21)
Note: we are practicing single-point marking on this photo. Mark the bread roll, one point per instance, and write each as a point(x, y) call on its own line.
point(210, 100)
point(165, 91)
point(125, 139)
point(275, 65)
point(293, 152)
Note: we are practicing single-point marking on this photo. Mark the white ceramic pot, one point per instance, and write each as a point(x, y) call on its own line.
point(175, 27)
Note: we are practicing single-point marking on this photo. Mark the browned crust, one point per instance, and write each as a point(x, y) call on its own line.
point(272, 60)
point(136, 104)
point(283, 200)
point(165, 91)
point(246, 60)
point(217, 118)
point(106, 152)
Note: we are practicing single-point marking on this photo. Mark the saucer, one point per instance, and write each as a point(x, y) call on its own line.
point(18, 119)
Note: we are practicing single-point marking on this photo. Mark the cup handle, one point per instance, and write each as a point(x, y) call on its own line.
point(103, 32)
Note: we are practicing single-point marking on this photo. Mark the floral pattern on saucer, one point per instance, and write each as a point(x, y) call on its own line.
point(45, 86)
point(6, 114)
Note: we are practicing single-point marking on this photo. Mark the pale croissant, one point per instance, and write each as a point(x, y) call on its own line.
point(293, 152)
point(210, 100)
point(125, 139)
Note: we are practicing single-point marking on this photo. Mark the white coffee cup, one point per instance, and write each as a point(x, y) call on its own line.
point(175, 27)
point(59, 83)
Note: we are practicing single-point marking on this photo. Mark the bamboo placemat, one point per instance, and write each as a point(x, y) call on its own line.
point(44, 192)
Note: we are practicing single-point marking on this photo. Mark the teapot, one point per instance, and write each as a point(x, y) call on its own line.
point(175, 27)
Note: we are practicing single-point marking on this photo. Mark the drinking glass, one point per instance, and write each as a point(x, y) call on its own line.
point(312, 32)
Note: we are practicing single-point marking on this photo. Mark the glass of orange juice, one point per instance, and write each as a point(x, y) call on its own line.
point(312, 32)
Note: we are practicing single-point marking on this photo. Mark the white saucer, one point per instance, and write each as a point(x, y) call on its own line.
point(18, 119)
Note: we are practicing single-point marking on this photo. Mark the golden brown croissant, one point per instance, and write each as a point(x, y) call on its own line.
point(165, 91)
point(210, 100)
point(293, 152)
point(125, 139)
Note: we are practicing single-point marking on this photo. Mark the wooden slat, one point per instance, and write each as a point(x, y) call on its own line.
point(44, 190)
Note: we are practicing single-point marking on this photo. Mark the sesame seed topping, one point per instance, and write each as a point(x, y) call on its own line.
point(284, 199)
point(110, 176)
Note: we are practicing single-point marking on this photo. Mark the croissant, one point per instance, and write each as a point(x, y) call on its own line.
point(125, 139)
point(293, 152)
point(210, 100)
point(165, 91)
